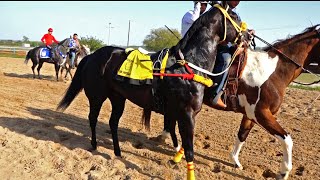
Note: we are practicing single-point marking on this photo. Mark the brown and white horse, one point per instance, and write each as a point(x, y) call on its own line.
point(262, 88)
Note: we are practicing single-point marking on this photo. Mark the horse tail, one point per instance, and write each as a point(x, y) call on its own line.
point(28, 56)
point(74, 88)
point(145, 119)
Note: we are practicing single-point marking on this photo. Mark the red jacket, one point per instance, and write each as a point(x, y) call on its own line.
point(48, 38)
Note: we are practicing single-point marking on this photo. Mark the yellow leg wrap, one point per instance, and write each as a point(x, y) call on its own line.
point(190, 175)
point(177, 158)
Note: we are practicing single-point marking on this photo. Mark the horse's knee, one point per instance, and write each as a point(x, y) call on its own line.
point(243, 134)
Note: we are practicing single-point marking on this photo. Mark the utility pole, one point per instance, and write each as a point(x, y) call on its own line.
point(109, 33)
point(128, 34)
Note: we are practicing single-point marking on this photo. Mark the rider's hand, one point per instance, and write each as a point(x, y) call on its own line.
point(251, 31)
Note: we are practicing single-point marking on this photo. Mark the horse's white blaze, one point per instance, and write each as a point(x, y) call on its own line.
point(259, 67)
point(235, 153)
point(287, 144)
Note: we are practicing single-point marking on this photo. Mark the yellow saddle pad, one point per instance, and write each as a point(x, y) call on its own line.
point(137, 66)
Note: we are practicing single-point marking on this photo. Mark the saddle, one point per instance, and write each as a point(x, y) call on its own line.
point(234, 75)
point(139, 66)
point(45, 52)
point(138, 70)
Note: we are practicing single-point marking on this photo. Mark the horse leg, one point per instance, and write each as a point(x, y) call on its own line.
point(117, 103)
point(69, 70)
point(95, 107)
point(61, 70)
point(186, 130)
point(268, 122)
point(34, 66)
point(57, 67)
point(245, 127)
point(171, 127)
point(38, 69)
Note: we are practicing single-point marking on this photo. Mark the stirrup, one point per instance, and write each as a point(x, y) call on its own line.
point(217, 102)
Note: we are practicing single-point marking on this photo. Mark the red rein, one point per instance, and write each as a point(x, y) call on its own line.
point(184, 76)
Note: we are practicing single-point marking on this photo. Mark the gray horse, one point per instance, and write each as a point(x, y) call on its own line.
point(83, 51)
point(41, 54)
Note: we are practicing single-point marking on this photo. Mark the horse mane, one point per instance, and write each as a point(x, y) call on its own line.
point(290, 38)
point(61, 42)
point(199, 23)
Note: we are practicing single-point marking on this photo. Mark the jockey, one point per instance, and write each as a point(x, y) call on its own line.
point(47, 40)
point(192, 15)
point(74, 49)
point(223, 60)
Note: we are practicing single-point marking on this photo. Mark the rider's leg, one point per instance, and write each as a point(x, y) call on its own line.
point(224, 58)
point(51, 52)
point(73, 56)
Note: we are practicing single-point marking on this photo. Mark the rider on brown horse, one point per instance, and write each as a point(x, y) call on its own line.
point(225, 51)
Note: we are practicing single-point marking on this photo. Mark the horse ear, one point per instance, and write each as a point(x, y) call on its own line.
point(181, 55)
point(224, 4)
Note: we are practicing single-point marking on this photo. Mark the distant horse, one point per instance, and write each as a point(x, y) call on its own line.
point(181, 98)
point(261, 90)
point(83, 51)
point(41, 54)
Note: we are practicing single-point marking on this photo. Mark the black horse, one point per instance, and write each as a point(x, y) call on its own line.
point(181, 99)
point(41, 54)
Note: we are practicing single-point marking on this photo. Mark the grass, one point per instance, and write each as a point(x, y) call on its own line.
point(307, 78)
point(310, 88)
point(12, 55)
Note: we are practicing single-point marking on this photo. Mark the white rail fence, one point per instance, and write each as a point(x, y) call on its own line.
point(14, 50)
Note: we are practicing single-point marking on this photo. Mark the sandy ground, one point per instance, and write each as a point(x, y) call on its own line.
point(36, 142)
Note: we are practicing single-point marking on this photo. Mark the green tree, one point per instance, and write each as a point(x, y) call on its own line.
point(161, 38)
point(92, 42)
point(25, 39)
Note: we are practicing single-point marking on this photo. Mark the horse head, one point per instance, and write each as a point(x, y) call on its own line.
point(85, 48)
point(200, 42)
point(62, 50)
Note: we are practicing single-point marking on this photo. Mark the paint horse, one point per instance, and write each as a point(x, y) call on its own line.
point(261, 90)
point(182, 97)
point(42, 54)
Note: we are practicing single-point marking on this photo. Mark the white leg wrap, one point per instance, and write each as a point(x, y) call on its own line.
point(178, 148)
point(235, 152)
point(286, 165)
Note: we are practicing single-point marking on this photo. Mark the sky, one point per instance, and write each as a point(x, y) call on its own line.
point(271, 20)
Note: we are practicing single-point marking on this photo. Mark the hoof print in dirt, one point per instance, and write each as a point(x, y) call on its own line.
point(300, 171)
point(269, 174)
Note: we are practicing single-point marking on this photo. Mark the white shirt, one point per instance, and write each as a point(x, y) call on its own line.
point(189, 18)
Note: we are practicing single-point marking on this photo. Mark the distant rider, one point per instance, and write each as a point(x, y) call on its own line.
point(47, 39)
point(75, 48)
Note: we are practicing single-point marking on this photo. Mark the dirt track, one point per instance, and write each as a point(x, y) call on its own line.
point(36, 142)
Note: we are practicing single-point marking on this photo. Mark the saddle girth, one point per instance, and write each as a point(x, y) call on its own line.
point(232, 83)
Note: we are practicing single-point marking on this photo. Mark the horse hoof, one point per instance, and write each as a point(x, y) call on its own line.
point(238, 166)
point(92, 149)
point(282, 176)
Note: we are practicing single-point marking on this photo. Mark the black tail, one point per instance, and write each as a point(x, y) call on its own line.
point(145, 120)
point(27, 57)
point(74, 88)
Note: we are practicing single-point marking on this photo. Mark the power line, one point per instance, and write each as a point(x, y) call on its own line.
point(283, 27)
point(109, 32)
